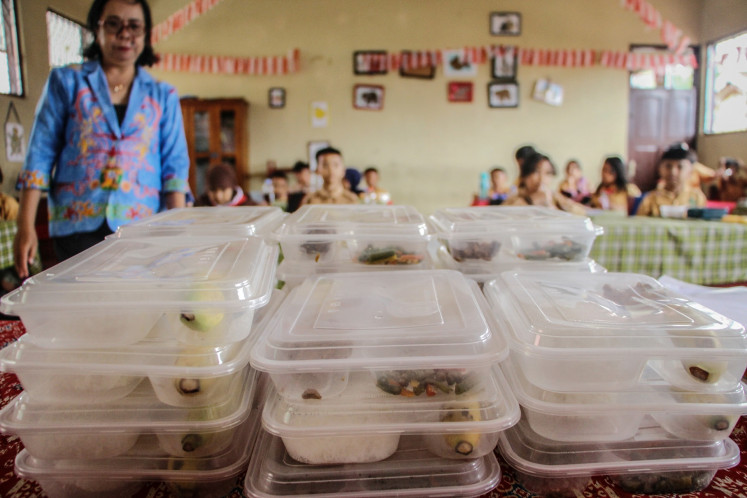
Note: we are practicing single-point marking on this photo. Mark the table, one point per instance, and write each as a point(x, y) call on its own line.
point(729, 482)
point(696, 251)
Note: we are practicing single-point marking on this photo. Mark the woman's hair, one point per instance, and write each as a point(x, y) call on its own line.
point(572, 161)
point(618, 166)
point(93, 52)
point(220, 177)
point(531, 165)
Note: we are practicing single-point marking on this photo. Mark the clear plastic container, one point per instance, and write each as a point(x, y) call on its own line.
point(85, 431)
point(211, 476)
point(202, 290)
point(411, 471)
point(485, 239)
point(618, 415)
point(84, 376)
point(388, 324)
point(233, 221)
point(570, 331)
point(653, 462)
point(360, 235)
point(364, 424)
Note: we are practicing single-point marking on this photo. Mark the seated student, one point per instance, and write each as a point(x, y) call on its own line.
point(352, 180)
point(332, 170)
point(280, 197)
point(373, 194)
point(614, 193)
point(533, 189)
point(8, 205)
point(673, 189)
point(574, 185)
point(303, 177)
point(223, 189)
point(499, 187)
point(731, 180)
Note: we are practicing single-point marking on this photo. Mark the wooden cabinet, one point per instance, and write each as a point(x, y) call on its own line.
point(217, 132)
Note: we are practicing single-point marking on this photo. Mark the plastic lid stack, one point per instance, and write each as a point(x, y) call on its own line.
point(615, 374)
point(135, 364)
point(382, 382)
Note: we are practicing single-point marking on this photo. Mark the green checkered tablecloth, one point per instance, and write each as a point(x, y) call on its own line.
point(701, 252)
point(8, 231)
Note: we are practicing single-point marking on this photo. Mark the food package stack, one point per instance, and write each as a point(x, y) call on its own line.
point(617, 375)
point(135, 364)
point(382, 383)
point(484, 241)
point(320, 239)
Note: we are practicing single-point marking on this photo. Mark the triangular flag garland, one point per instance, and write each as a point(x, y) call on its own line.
point(670, 34)
point(179, 19)
point(214, 64)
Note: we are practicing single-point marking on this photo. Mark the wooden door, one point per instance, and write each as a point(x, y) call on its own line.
point(658, 118)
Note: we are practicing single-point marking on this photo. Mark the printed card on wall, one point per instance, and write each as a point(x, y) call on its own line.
point(15, 147)
point(319, 114)
point(456, 63)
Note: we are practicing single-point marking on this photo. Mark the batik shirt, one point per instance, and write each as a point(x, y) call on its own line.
point(95, 169)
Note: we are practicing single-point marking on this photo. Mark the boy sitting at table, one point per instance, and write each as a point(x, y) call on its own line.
point(332, 170)
point(673, 189)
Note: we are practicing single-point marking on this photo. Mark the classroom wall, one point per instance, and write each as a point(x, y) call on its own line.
point(721, 18)
point(429, 151)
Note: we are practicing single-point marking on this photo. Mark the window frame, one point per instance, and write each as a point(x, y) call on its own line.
point(708, 93)
point(84, 30)
point(13, 47)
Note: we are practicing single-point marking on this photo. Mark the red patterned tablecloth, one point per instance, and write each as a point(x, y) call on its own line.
point(729, 482)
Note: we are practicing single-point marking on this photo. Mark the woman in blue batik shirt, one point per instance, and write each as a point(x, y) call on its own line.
point(107, 142)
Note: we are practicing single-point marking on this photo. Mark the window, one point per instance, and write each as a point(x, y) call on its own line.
point(669, 77)
point(726, 86)
point(67, 39)
point(10, 58)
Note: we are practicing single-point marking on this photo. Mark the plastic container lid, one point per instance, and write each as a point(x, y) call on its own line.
point(651, 396)
point(154, 273)
point(411, 471)
point(387, 319)
point(652, 450)
point(150, 464)
point(365, 409)
point(475, 221)
point(138, 412)
point(333, 222)
point(238, 221)
point(610, 314)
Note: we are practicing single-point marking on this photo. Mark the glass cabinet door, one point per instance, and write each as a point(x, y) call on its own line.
point(202, 131)
point(228, 131)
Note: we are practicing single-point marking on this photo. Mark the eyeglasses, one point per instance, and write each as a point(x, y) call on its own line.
point(115, 25)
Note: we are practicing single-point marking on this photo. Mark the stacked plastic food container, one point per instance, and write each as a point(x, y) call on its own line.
point(617, 375)
point(135, 364)
point(484, 241)
point(319, 239)
point(382, 383)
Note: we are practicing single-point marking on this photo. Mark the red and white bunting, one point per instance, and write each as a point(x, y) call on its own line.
point(369, 62)
point(652, 18)
point(179, 19)
point(560, 58)
point(212, 64)
point(635, 61)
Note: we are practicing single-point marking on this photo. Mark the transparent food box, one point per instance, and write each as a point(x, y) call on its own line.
point(182, 376)
point(570, 331)
point(411, 471)
point(486, 237)
point(617, 415)
point(202, 290)
point(419, 333)
point(360, 235)
point(653, 462)
point(365, 424)
point(212, 476)
point(105, 430)
point(238, 221)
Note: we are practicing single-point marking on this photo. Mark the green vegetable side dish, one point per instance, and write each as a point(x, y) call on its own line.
point(667, 482)
point(566, 250)
point(475, 250)
point(390, 255)
point(412, 383)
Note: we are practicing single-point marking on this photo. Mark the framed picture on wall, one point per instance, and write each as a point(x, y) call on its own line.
point(505, 23)
point(504, 63)
point(408, 67)
point(456, 64)
point(370, 62)
point(503, 95)
point(276, 98)
point(368, 97)
point(460, 91)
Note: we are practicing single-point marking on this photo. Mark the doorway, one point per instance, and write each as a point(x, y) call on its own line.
point(662, 110)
